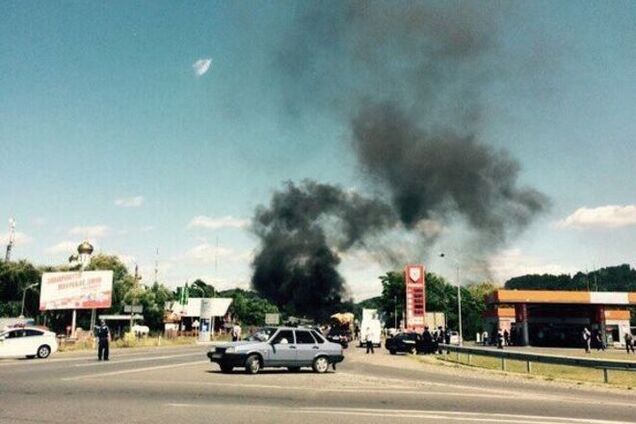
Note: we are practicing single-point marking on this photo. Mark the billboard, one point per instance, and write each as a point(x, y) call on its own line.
point(76, 290)
point(415, 297)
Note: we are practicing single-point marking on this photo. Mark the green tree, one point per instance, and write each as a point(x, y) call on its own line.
point(393, 297)
point(15, 277)
point(248, 306)
point(200, 288)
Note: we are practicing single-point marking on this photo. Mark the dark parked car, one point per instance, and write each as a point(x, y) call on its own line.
point(409, 343)
point(340, 337)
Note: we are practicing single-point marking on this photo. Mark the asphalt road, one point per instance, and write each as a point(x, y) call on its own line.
point(179, 385)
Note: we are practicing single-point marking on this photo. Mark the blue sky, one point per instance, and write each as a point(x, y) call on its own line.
point(108, 132)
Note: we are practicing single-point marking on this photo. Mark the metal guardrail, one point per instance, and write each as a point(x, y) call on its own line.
point(529, 358)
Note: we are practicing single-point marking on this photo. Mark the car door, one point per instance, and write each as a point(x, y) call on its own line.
point(283, 349)
point(5, 345)
point(33, 339)
point(307, 347)
point(13, 343)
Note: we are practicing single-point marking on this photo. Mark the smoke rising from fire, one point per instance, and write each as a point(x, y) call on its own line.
point(301, 233)
point(408, 80)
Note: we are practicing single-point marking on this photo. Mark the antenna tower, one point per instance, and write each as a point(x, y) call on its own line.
point(7, 256)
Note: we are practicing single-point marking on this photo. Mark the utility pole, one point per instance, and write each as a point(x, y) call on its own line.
point(459, 298)
point(156, 265)
point(7, 256)
point(395, 312)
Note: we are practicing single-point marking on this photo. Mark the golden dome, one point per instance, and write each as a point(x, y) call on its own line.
point(85, 248)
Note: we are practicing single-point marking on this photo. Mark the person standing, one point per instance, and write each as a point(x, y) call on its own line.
point(427, 341)
point(103, 340)
point(587, 339)
point(629, 342)
point(506, 336)
point(484, 338)
point(441, 338)
point(236, 332)
point(500, 339)
point(369, 341)
point(600, 344)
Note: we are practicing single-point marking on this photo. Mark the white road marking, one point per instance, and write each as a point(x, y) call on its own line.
point(427, 414)
point(429, 383)
point(159, 367)
point(14, 362)
point(145, 359)
point(356, 389)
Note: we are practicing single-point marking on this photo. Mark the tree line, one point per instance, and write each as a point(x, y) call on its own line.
point(16, 277)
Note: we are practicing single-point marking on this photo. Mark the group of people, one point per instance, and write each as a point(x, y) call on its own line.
point(591, 339)
point(433, 340)
point(595, 339)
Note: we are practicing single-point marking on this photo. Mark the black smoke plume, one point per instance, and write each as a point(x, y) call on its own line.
point(442, 175)
point(408, 79)
point(301, 233)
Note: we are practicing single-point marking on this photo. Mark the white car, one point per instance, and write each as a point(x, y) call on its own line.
point(27, 342)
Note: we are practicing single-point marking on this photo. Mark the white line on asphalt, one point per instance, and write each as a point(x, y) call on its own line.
point(106, 374)
point(84, 356)
point(429, 383)
point(148, 358)
point(430, 414)
point(331, 390)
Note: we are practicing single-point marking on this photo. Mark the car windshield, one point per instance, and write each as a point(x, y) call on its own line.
point(261, 335)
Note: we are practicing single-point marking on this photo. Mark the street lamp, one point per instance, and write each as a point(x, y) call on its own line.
point(24, 297)
point(395, 312)
point(459, 298)
point(83, 257)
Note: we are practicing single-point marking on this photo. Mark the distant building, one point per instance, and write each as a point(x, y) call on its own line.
point(557, 318)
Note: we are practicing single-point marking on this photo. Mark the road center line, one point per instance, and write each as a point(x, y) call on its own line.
point(145, 359)
point(106, 374)
point(329, 390)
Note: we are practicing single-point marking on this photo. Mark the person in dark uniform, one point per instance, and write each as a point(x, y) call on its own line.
point(103, 337)
point(427, 341)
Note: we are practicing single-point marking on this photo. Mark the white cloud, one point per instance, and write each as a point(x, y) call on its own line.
point(39, 221)
point(147, 228)
point(91, 232)
point(202, 66)
point(513, 263)
point(205, 253)
point(211, 223)
point(611, 216)
point(20, 238)
point(66, 247)
point(130, 202)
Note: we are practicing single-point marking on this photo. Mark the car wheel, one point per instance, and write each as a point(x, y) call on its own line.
point(321, 364)
point(226, 369)
point(392, 352)
point(252, 364)
point(293, 369)
point(44, 351)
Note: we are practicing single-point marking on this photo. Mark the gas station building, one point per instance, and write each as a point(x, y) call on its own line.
point(557, 318)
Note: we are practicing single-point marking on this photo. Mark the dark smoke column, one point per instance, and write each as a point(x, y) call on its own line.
point(301, 233)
